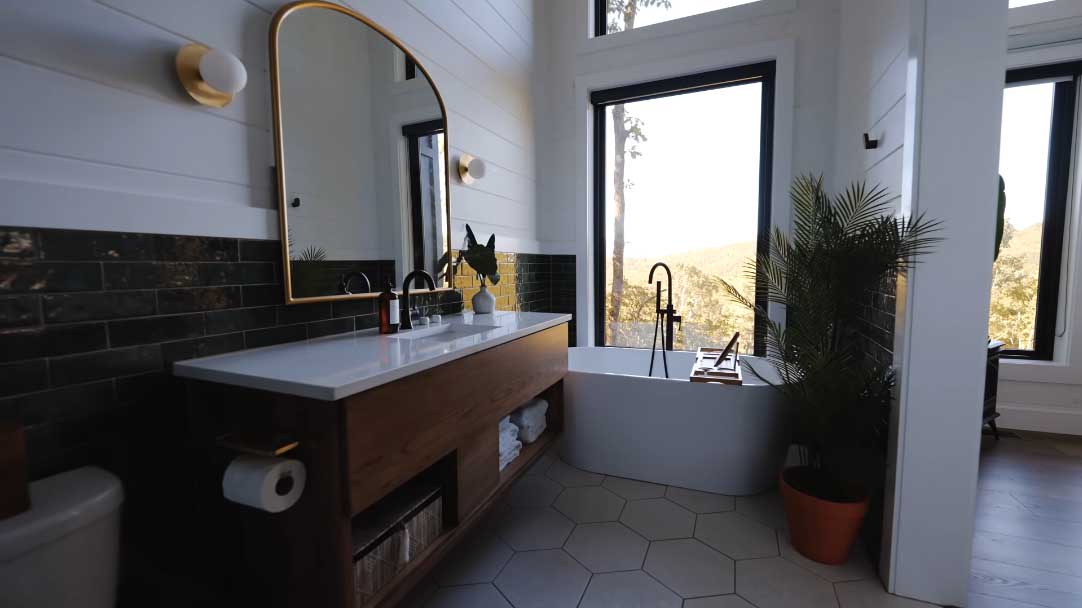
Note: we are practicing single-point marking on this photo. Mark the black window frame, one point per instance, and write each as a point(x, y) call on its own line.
point(601, 18)
point(764, 73)
point(1057, 192)
point(413, 132)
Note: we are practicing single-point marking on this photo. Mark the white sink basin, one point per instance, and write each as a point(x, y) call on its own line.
point(442, 333)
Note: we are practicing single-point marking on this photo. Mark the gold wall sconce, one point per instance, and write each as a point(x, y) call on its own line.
point(470, 169)
point(211, 76)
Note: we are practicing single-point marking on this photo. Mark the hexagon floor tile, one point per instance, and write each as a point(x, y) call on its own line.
point(858, 567)
point(700, 502)
point(870, 594)
point(658, 519)
point(478, 559)
point(632, 489)
point(534, 491)
point(777, 583)
point(736, 535)
point(626, 589)
point(531, 529)
point(720, 601)
point(543, 579)
point(570, 477)
point(607, 547)
point(471, 596)
point(590, 504)
point(764, 508)
point(690, 568)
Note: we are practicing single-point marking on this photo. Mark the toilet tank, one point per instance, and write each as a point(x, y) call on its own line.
point(63, 551)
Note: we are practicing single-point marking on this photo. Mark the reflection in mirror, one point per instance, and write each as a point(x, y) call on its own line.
point(363, 158)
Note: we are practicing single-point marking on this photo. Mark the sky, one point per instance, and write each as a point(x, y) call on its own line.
point(685, 8)
point(696, 184)
point(1023, 151)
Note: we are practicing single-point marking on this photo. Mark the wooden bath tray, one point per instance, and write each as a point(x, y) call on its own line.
point(707, 370)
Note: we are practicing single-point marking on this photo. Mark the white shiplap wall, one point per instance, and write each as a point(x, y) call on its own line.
point(872, 57)
point(97, 134)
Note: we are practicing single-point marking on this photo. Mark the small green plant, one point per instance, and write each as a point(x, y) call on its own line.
point(308, 254)
point(481, 258)
point(842, 250)
point(313, 254)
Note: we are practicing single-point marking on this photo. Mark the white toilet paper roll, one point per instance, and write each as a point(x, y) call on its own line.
point(265, 483)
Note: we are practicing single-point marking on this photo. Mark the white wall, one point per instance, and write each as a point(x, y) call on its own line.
point(956, 58)
point(1047, 395)
point(99, 135)
point(871, 92)
point(800, 34)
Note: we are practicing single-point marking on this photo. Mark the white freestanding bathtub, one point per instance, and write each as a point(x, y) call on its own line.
point(709, 437)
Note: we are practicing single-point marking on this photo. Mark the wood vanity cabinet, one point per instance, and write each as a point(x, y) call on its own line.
point(442, 423)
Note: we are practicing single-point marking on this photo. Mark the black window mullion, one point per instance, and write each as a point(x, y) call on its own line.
point(600, 274)
point(601, 17)
point(1059, 171)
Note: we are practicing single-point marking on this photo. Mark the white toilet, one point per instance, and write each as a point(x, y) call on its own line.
point(63, 551)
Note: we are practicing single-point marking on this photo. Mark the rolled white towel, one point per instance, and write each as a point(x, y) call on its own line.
point(508, 434)
point(530, 419)
point(509, 455)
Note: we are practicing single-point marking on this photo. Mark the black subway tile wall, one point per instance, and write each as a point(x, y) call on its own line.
point(877, 323)
point(109, 313)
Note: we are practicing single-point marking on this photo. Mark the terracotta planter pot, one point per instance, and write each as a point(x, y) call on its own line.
point(821, 530)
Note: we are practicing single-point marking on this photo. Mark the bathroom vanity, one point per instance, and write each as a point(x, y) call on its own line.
point(367, 414)
point(398, 434)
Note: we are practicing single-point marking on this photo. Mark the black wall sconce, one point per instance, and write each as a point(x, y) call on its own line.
point(869, 143)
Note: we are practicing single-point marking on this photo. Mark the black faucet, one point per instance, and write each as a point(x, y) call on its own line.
point(668, 312)
point(346, 279)
point(407, 322)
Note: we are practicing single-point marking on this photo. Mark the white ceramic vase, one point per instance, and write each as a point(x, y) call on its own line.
point(483, 301)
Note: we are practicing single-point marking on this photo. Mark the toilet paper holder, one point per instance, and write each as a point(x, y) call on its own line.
point(259, 443)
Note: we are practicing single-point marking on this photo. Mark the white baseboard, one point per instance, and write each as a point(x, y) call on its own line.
point(1044, 419)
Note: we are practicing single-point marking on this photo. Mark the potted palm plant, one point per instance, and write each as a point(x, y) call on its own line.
point(842, 250)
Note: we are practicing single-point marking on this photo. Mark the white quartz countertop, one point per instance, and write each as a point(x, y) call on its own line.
point(335, 367)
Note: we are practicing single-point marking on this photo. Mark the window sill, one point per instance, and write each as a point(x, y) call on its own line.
point(689, 24)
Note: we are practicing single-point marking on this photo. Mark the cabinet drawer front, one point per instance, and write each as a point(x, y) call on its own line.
point(395, 431)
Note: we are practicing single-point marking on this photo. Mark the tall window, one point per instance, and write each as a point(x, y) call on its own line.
point(611, 16)
point(1035, 164)
point(681, 175)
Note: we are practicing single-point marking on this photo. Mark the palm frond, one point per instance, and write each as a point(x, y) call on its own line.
point(840, 249)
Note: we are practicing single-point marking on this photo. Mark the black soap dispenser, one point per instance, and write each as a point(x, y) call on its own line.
point(388, 310)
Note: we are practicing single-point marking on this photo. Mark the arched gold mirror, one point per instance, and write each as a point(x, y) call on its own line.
point(360, 135)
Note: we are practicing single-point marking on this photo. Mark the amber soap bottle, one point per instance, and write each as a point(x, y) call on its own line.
point(388, 310)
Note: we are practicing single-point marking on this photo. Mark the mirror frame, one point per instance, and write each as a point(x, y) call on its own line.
point(279, 149)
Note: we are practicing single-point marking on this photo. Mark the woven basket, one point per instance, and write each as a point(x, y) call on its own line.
point(373, 570)
point(423, 529)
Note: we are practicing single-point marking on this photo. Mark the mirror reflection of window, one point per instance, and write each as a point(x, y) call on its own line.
point(428, 198)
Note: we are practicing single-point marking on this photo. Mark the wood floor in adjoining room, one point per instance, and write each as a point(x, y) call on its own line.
point(1027, 547)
